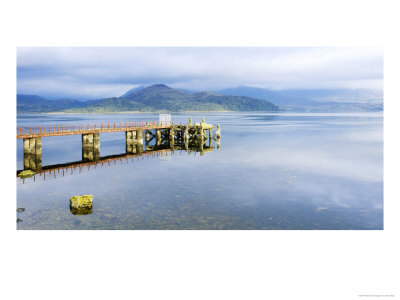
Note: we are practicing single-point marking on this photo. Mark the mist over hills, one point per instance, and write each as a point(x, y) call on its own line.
point(161, 98)
point(315, 99)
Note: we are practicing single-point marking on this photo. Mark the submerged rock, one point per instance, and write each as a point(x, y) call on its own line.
point(20, 209)
point(26, 174)
point(81, 205)
point(19, 220)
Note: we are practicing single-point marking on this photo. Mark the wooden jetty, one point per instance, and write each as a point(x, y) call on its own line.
point(175, 136)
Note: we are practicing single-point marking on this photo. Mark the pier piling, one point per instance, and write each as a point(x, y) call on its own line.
point(33, 153)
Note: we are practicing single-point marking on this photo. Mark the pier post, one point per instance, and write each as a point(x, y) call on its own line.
point(134, 141)
point(158, 137)
point(201, 136)
point(186, 134)
point(147, 136)
point(91, 146)
point(33, 154)
point(172, 137)
point(139, 136)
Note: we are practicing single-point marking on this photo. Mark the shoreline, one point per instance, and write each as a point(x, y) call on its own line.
point(148, 112)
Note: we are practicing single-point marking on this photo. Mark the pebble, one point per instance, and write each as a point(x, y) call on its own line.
point(20, 209)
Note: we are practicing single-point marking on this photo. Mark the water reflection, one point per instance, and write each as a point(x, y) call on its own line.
point(81, 210)
point(151, 151)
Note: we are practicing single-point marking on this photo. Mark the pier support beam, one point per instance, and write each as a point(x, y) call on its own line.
point(33, 154)
point(134, 141)
point(91, 147)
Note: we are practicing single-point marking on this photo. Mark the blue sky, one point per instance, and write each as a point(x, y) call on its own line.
point(93, 72)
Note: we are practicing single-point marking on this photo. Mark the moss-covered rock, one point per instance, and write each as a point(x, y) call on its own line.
point(81, 201)
point(26, 174)
point(81, 205)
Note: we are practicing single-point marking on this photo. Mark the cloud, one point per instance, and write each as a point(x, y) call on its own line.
point(103, 72)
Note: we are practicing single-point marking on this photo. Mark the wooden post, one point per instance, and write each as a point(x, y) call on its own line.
point(171, 137)
point(158, 137)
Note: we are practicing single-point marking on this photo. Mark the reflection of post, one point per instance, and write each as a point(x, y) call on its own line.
point(33, 154)
point(32, 162)
point(201, 136)
point(217, 134)
point(90, 147)
point(218, 143)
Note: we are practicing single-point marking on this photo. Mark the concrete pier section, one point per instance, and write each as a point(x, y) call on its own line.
point(33, 154)
point(134, 141)
point(91, 146)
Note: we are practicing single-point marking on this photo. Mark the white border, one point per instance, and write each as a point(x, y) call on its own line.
point(188, 264)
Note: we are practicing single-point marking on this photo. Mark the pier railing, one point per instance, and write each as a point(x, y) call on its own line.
point(54, 130)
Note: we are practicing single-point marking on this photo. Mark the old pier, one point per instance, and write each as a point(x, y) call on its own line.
point(166, 134)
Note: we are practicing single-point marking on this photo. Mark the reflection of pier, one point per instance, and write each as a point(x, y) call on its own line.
point(54, 171)
point(166, 134)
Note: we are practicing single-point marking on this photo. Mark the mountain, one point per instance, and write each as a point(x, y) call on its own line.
point(329, 100)
point(33, 103)
point(133, 90)
point(160, 97)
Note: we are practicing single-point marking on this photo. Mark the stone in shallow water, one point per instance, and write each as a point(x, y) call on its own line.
point(20, 209)
point(26, 174)
point(81, 205)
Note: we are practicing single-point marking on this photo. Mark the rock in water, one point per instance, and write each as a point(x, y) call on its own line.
point(26, 174)
point(20, 209)
point(81, 205)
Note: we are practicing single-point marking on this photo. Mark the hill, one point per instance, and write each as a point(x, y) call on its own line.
point(33, 103)
point(159, 97)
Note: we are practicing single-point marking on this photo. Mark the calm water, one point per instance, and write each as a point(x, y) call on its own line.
point(272, 171)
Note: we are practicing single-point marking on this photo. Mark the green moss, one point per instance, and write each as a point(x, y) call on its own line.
point(26, 174)
point(82, 201)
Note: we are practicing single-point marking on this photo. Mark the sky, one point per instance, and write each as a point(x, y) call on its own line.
point(99, 72)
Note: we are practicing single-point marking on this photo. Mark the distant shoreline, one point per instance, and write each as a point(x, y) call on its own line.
point(147, 112)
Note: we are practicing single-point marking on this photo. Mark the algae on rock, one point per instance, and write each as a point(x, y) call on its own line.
point(81, 205)
point(26, 174)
